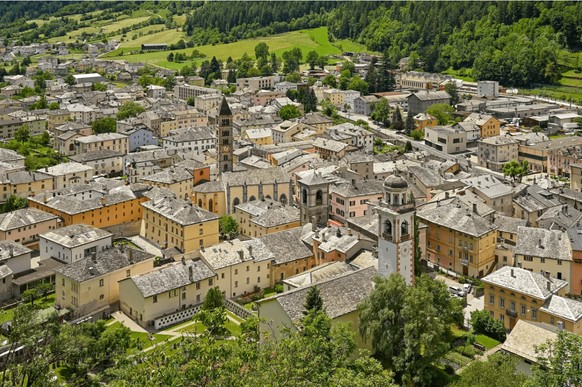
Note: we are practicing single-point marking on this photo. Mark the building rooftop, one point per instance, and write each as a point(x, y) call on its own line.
point(196, 133)
point(563, 307)
point(319, 273)
point(525, 337)
point(489, 186)
point(539, 242)
point(428, 95)
point(10, 249)
point(100, 137)
point(169, 176)
point(341, 295)
point(508, 224)
point(23, 218)
point(277, 216)
point(179, 211)
point(331, 145)
point(96, 155)
point(525, 282)
point(226, 254)
point(456, 217)
point(255, 177)
point(66, 169)
point(104, 262)
point(172, 276)
point(76, 235)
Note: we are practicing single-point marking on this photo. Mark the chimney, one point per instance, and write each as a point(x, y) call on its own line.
point(446, 194)
point(94, 256)
point(103, 200)
point(349, 231)
point(183, 260)
point(565, 209)
point(250, 248)
point(475, 207)
point(130, 255)
point(339, 233)
point(313, 224)
point(549, 284)
point(11, 251)
point(241, 255)
point(512, 273)
point(190, 273)
point(540, 245)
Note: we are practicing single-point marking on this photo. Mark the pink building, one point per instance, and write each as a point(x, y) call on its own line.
point(24, 226)
point(349, 200)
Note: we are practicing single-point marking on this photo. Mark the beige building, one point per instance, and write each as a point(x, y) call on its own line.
point(330, 149)
point(513, 294)
point(66, 175)
point(171, 222)
point(90, 286)
point(494, 152)
point(261, 217)
point(576, 177)
point(238, 270)
point(24, 226)
point(166, 295)
point(105, 141)
point(494, 193)
point(177, 180)
point(335, 96)
point(182, 119)
point(24, 184)
point(257, 83)
point(545, 251)
point(446, 139)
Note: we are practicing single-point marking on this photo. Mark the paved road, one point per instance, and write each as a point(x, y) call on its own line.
point(473, 303)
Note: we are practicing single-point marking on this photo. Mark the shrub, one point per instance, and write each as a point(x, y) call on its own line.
point(467, 350)
point(482, 322)
point(279, 288)
point(449, 369)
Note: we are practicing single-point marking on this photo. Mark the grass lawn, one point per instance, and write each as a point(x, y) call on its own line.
point(556, 92)
point(486, 341)
point(234, 316)
point(163, 36)
point(464, 74)
point(105, 26)
point(197, 327)
point(307, 40)
point(145, 338)
point(178, 327)
point(458, 332)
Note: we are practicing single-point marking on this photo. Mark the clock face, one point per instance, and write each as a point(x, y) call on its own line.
point(226, 148)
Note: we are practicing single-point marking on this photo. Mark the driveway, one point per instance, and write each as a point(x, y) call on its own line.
point(473, 303)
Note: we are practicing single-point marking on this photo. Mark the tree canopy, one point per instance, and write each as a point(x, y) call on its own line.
point(288, 112)
point(104, 125)
point(515, 170)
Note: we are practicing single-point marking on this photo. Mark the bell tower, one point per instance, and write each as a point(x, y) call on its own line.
point(396, 213)
point(224, 137)
point(313, 200)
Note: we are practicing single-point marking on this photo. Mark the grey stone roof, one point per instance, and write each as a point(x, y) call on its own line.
point(489, 186)
point(328, 144)
point(76, 235)
point(314, 178)
point(211, 186)
point(96, 155)
point(258, 207)
point(341, 295)
point(319, 273)
point(179, 211)
point(430, 95)
point(526, 336)
point(535, 198)
point(9, 249)
point(105, 262)
point(151, 155)
point(191, 134)
point(22, 177)
point(456, 217)
point(315, 119)
point(226, 254)
point(100, 137)
point(277, 216)
point(539, 242)
point(427, 177)
point(525, 282)
point(575, 234)
point(172, 276)
point(360, 188)
point(508, 224)
point(254, 177)
point(366, 222)
point(169, 176)
point(4, 271)
point(7, 155)
point(286, 246)
point(23, 218)
point(465, 198)
point(65, 169)
point(566, 308)
point(564, 216)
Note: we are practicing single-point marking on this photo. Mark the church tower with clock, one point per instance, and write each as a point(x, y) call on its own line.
point(396, 213)
point(224, 137)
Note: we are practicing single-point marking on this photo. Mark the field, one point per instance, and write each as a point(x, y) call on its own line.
point(307, 40)
point(102, 25)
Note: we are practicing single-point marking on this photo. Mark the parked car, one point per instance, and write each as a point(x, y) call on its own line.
point(456, 291)
point(467, 288)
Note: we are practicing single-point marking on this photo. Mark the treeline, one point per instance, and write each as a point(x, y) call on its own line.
point(216, 23)
point(516, 43)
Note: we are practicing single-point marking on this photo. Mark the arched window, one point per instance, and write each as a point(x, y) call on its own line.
point(303, 196)
point(404, 228)
point(210, 205)
point(283, 199)
point(318, 198)
point(268, 197)
point(388, 227)
point(252, 198)
point(200, 203)
point(236, 202)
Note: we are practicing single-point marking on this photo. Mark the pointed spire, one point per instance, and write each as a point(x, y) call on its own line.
point(224, 108)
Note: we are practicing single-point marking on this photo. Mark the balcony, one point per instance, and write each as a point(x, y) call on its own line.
point(511, 313)
point(387, 237)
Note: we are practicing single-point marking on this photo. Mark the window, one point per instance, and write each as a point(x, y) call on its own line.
point(512, 306)
point(502, 318)
point(528, 258)
point(127, 273)
point(198, 298)
point(222, 276)
point(235, 271)
point(236, 284)
point(101, 282)
point(534, 314)
point(492, 299)
point(173, 293)
point(210, 282)
point(197, 285)
point(101, 296)
point(248, 268)
point(523, 310)
point(560, 262)
point(248, 280)
point(502, 302)
point(155, 299)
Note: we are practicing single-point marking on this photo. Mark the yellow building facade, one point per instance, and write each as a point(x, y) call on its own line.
point(170, 222)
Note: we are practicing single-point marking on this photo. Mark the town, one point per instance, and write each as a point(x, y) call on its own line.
point(134, 195)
